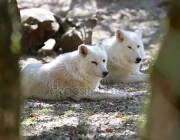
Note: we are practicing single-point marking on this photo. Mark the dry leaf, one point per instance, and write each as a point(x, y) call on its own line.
point(119, 116)
point(109, 130)
point(71, 132)
point(34, 115)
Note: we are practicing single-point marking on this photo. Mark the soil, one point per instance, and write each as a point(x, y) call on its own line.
point(104, 119)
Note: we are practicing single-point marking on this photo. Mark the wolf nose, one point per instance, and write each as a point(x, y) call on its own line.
point(105, 73)
point(138, 60)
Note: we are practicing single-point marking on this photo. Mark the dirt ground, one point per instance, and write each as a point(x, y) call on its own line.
point(105, 119)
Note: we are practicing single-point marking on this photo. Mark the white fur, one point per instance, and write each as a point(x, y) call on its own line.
point(122, 64)
point(69, 75)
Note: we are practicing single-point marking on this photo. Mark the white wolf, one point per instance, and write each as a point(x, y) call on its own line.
point(125, 52)
point(73, 75)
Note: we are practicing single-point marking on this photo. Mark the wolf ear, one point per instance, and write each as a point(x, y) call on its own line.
point(83, 50)
point(139, 33)
point(119, 35)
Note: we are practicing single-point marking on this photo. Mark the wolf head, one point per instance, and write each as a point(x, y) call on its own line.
point(130, 45)
point(93, 61)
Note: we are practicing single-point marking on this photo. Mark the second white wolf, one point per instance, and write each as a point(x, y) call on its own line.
point(125, 52)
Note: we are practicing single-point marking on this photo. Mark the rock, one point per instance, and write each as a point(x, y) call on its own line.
point(75, 32)
point(35, 34)
point(39, 25)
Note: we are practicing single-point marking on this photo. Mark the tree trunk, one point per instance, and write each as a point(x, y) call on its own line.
point(163, 122)
point(9, 71)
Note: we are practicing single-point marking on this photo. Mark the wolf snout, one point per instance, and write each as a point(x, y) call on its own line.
point(138, 59)
point(105, 73)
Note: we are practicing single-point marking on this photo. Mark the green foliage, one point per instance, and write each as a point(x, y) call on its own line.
point(15, 47)
point(141, 121)
point(42, 111)
point(127, 119)
point(60, 121)
point(69, 111)
point(29, 121)
point(82, 128)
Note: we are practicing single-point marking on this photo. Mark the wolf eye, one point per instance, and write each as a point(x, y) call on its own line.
point(138, 46)
point(129, 47)
point(104, 60)
point(94, 62)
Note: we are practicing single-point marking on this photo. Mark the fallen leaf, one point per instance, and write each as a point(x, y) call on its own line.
point(71, 132)
point(119, 116)
point(34, 115)
point(109, 130)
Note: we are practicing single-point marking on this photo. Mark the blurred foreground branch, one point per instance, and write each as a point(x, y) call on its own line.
point(163, 121)
point(9, 71)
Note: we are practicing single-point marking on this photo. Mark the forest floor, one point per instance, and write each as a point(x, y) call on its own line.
point(104, 119)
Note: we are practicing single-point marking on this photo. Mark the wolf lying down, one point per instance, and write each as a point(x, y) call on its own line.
point(125, 52)
point(73, 75)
